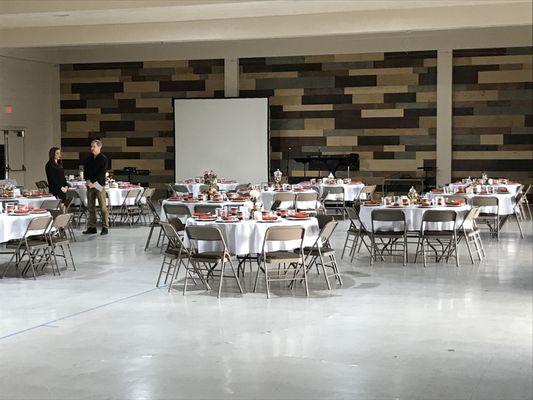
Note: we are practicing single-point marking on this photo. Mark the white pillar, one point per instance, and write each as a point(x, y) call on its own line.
point(444, 116)
point(231, 77)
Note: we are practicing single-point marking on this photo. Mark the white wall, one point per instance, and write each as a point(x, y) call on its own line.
point(32, 89)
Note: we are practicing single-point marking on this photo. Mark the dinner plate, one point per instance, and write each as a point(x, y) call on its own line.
point(223, 221)
point(298, 218)
point(393, 206)
point(38, 212)
point(205, 219)
point(266, 221)
point(454, 205)
point(215, 201)
point(421, 206)
point(371, 204)
point(18, 214)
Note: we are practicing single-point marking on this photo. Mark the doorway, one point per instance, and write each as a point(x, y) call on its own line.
point(12, 150)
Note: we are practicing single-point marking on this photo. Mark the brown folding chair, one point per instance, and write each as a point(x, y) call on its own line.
point(393, 241)
point(57, 237)
point(205, 263)
point(294, 258)
point(491, 219)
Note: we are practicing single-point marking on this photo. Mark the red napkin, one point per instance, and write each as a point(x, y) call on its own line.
point(269, 218)
point(503, 190)
point(435, 190)
point(370, 202)
point(39, 209)
point(301, 214)
point(456, 202)
point(21, 211)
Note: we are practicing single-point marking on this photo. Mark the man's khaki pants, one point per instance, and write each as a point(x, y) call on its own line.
point(92, 195)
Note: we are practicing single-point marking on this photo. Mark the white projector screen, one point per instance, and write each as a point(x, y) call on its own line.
point(228, 136)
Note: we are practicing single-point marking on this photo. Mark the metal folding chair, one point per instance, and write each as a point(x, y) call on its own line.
point(388, 241)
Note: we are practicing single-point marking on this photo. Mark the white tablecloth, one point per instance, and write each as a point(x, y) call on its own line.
point(194, 188)
point(507, 201)
point(413, 218)
point(32, 201)
point(267, 198)
point(351, 191)
point(511, 187)
point(246, 237)
point(14, 226)
point(191, 205)
point(116, 195)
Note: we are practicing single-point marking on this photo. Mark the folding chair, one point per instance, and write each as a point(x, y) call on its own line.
point(144, 199)
point(470, 233)
point(51, 204)
point(366, 193)
point(33, 246)
point(42, 186)
point(294, 258)
point(333, 198)
point(307, 202)
point(57, 237)
point(174, 257)
point(321, 253)
point(205, 263)
point(490, 218)
point(130, 207)
point(76, 206)
point(356, 233)
point(283, 201)
point(446, 239)
point(389, 238)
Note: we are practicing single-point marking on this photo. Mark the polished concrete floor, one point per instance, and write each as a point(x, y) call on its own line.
point(105, 331)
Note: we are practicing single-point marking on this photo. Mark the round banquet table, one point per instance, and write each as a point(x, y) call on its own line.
point(14, 226)
point(511, 187)
point(191, 204)
point(267, 198)
point(194, 188)
point(351, 190)
point(413, 218)
point(246, 237)
point(116, 195)
point(31, 201)
point(507, 201)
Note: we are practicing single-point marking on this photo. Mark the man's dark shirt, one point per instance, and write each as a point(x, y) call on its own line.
point(95, 169)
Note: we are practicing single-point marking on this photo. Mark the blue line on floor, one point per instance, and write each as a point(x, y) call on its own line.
point(47, 324)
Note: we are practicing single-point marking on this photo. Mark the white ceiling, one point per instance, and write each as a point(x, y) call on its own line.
point(52, 13)
point(60, 23)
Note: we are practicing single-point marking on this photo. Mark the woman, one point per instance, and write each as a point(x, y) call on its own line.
point(55, 174)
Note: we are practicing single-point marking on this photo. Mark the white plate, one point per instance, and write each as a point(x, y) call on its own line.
point(298, 219)
point(222, 221)
point(268, 221)
point(19, 215)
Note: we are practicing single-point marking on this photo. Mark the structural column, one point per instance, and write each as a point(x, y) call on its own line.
point(231, 77)
point(444, 116)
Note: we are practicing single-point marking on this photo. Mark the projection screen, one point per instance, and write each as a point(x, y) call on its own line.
point(228, 136)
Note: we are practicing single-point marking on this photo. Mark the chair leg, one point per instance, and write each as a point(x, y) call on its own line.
point(324, 270)
point(257, 275)
point(469, 249)
point(235, 275)
point(222, 268)
point(519, 226)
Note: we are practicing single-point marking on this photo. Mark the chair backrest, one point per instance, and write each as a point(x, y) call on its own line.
point(387, 215)
point(38, 224)
point(177, 224)
point(323, 219)
point(439, 216)
point(52, 204)
point(133, 194)
point(485, 201)
point(206, 208)
point(204, 233)
point(284, 233)
point(327, 231)
point(284, 197)
point(334, 189)
point(172, 235)
point(61, 221)
point(176, 209)
point(41, 185)
point(180, 188)
point(367, 190)
point(306, 196)
point(148, 193)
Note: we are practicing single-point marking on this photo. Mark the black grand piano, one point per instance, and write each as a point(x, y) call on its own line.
point(330, 163)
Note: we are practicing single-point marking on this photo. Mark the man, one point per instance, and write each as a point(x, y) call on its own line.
point(95, 171)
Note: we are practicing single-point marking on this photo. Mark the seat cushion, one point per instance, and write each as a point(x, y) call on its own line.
point(281, 257)
point(208, 256)
point(314, 251)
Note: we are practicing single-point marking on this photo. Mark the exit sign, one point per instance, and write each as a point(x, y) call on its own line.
point(8, 109)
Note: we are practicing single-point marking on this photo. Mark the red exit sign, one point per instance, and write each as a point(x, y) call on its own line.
point(8, 109)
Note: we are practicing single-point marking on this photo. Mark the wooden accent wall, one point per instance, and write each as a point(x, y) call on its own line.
point(493, 113)
point(380, 105)
point(129, 106)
